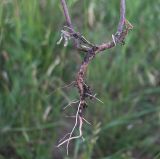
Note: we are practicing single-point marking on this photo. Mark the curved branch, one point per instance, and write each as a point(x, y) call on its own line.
point(78, 38)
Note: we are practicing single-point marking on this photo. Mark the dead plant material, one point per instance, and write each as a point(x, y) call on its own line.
point(90, 50)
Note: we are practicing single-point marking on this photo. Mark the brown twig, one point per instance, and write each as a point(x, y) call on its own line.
point(90, 52)
point(66, 14)
point(122, 16)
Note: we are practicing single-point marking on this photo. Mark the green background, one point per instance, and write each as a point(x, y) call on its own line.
point(33, 70)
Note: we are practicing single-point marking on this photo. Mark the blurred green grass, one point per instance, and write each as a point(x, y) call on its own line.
point(33, 69)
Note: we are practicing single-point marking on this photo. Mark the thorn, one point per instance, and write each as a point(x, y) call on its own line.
point(69, 28)
point(86, 121)
point(70, 116)
point(72, 102)
point(68, 85)
point(85, 84)
point(83, 139)
point(94, 97)
point(60, 40)
point(65, 41)
point(63, 137)
point(113, 38)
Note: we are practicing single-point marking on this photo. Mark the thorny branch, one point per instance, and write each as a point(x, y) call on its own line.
point(90, 51)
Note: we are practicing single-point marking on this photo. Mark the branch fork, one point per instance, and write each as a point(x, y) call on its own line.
point(90, 50)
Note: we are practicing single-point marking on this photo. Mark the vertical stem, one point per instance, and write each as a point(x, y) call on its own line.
point(66, 13)
point(122, 15)
point(68, 19)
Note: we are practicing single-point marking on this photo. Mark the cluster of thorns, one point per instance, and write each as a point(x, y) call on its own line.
point(90, 50)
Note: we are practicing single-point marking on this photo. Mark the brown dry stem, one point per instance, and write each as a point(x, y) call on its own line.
point(90, 50)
